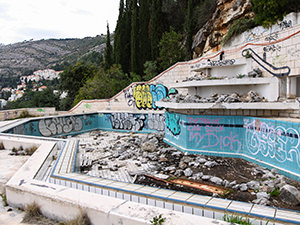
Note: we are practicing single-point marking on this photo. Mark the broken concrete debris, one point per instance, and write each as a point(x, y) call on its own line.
point(129, 157)
point(251, 96)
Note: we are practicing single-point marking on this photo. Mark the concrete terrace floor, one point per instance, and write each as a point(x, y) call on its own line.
point(8, 166)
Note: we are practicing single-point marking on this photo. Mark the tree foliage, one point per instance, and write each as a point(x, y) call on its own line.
point(170, 50)
point(108, 54)
point(268, 12)
point(72, 79)
point(104, 84)
point(44, 98)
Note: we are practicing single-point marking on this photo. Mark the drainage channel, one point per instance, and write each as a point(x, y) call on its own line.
point(207, 206)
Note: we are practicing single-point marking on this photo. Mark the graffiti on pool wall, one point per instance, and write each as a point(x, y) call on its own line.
point(146, 95)
point(173, 123)
point(275, 142)
point(59, 125)
point(156, 122)
point(210, 133)
point(127, 121)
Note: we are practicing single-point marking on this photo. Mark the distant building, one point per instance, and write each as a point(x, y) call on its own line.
point(47, 74)
point(42, 88)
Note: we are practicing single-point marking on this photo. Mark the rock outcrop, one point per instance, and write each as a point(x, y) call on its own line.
point(211, 34)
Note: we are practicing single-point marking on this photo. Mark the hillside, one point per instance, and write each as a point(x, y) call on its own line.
point(24, 57)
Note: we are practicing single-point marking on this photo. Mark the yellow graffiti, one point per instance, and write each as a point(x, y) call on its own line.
point(143, 97)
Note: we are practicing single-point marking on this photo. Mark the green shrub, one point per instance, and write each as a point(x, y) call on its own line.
point(275, 192)
point(237, 27)
point(158, 220)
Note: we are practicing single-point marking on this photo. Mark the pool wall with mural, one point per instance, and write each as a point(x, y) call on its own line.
point(267, 142)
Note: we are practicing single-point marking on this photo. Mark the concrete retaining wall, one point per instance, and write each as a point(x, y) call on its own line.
point(14, 113)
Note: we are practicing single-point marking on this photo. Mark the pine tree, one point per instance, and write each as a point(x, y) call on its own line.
point(156, 27)
point(108, 54)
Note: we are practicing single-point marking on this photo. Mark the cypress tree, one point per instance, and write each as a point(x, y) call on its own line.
point(144, 33)
point(118, 34)
point(188, 29)
point(134, 38)
point(108, 54)
point(126, 38)
point(156, 27)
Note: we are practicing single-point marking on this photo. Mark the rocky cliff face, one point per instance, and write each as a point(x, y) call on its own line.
point(211, 34)
point(16, 59)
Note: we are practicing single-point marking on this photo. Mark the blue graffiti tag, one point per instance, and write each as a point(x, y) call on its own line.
point(173, 123)
point(158, 92)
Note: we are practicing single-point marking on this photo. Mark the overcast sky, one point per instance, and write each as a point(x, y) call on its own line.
point(43, 19)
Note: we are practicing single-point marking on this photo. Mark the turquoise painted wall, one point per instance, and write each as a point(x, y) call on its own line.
point(132, 122)
point(57, 126)
point(269, 143)
point(75, 124)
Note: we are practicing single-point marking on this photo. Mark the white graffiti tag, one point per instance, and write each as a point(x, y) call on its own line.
point(156, 122)
point(279, 143)
point(59, 125)
point(127, 121)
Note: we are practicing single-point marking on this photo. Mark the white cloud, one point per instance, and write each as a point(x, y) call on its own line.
point(42, 19)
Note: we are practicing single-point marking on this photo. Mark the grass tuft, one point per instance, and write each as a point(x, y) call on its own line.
point(32, 212)
point(82, 219)
point(31, 150)
point(236, 219)
point(2, 146)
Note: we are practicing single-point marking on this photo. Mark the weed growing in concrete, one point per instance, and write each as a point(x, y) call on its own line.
point(3, 196)
point(82, 219)
point(275, 192)
point(236, 219)
point(1, 146)
point(32, 212)
point(31, 150)
point(14, 150)
point(158, 220)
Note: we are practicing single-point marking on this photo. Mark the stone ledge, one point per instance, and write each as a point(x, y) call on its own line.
point(240, 105)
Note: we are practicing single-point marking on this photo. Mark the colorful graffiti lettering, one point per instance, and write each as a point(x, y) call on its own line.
point(209, 139)
point(146, 95)
point(87, 105)
point(127, 121)
point(173, 123)
point(156, 122)
point(59, 125)
point(129, 97)
point(207, 132)
point(279, 143)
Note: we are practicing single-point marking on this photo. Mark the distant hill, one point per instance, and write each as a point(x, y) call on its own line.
point(25, 57)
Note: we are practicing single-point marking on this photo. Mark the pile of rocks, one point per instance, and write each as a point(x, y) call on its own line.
point(251, 96)
point(202, 76)
point(137, 154)
point(197, 77)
